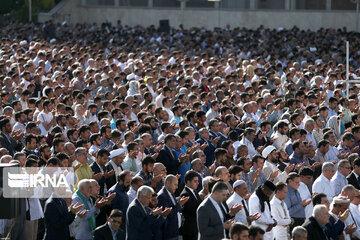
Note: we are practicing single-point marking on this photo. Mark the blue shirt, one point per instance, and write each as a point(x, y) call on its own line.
point(292, 201)
point(296, 158)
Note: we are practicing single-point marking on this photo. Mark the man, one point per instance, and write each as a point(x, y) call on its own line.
point(117, 156)
point(239, 231)
point(256, 233)
point(210, 148)
point(338, 214)
point(214, 131)
point(210, 218)
point(30, 144)
point(147, 170)
point(88, 223)
point(355, 211)
point(280, 135)
point(322, 184)
point(168, 157)
point(353, 178)
point(57, 216)
point(294, 135)
point(9, 140)
point(131, 162)
point(256, 177)
point(121, 200)
point(280, 212)
point(295, 204)
point(167, 199)
point(111, 229)
point(259, 203)
point(347, 143)
point(299, 233)
point(99, 167)
point(249, 136)
point(47, 118)
point(315, 225)
point(271, 156)
point(105, 132)
point(239, 197)
point(338, 181)
point(135, 184)
point(321, 152)
point(299, 150)
point(140, 217)
point(189, 227)
point(306, 176)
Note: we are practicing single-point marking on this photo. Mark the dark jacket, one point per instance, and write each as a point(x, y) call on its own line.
point(57, 218)
point(171, 226)
point(11, 145)
point(121, 200)
point(314, 230)
point(170, 162)
point(353, 181)
point(189, 228)
point(104, 233)
point(208, 151)
point(96, 169)
point(110, 181)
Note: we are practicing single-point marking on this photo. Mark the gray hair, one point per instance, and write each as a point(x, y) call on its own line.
point(170, 178)
point(6, 159)
point(343, 162)
point(205, 180)
point(202, 130)
point(318, 210)
point(347, 189)
point(298, 231)
point(144, 190)
point(82, 183)
point(240, 148)
point(327, 166)
point(79, 151)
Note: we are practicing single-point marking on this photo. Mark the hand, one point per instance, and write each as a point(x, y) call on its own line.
point(235, 209)
point(99, 203)
point(156, 211)
point(260, 149)
point(183, 200)
point(350, 229)
point(77, 166)
point(98, 176)
point(74, 208)
point(316, 165)
point(274, 174)
point(343, 155)
point(289, 168)
point(183, 157)
point(273, 139)
point(178, 176)
point(344, 215)
point(305, 202)
point(110, 197)
point(215, 140)
point(203, 146)
point(157, 179)
point(253, 217)
point(108, 174)
point(228, 223)
point(166, 212)
point(247, 196)
point(155, 155)
point(298, 166)
point(355, 149)
point(82, 213)
point(225, 131)
point(212, 168)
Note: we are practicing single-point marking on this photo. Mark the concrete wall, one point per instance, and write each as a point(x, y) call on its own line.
point(73, 12)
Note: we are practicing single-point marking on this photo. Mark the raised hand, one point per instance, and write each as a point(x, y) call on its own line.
point(183, 200)
point(156, 211)
point(74, 208)
point(235, 209)
point(82, 213)
point(166, 212)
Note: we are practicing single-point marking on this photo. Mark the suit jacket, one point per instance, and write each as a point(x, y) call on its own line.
point(121, 200)
point(210, 225)
point(96, 169)
point(170, 162)
point(139, 224)
point(353, 181)
point(189, 227)
point(171, 226)
point(314, 230)
point(110, 181)
point(104, 233)
point(12, 145)
point(208, 151)
point(215, 135)
point(57, 218)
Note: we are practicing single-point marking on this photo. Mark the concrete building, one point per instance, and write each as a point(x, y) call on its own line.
point(306, 14)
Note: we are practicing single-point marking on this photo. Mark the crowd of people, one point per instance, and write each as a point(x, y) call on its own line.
point(192, 134)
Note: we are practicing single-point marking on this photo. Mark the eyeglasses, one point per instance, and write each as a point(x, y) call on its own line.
point(114, 221)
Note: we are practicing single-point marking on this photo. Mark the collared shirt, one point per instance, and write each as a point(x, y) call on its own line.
point(319, 157)
point(251, 149)
point(112, 231)
point(343, 149)
point(323, 185)
point(241, 215)
point(270, 168)
point(306, 195)
point(288, 147)
point(247, 178)
point(310, 137)
point(318, 135)
point(146, 178)
point(293, 200)
point(217, 207)
point(296, 158)
point(332, 154)
point(280, 141)
point(131, 194)
point(130, 164)
point(355, 218)
point(261, 179)
point(279, 211)
point(338, 181)
point(106, 143)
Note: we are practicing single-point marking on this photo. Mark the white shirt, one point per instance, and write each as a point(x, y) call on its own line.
point(280, 141)
point(265, 218)
point(43, 117)
point(332, 154)
point(323, 185)
point(251, 149)
point(282, 216)
point(36, 211)
point(306, 195)
point(116, 168)
point(131, 194)
point(270, 168)
point(217, 207)
point(354, 209)
point(241, 215)
point(18, 126)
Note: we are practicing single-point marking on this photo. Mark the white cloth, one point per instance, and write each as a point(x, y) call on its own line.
point(43, 117)
point(306, 195)
point(280, 141)
point(241, 215)
point(251, 149)
point(36, 211)
point(282, 216)
point(131, 194)
point(332, 154)
point(116, 168)
point(354, 209)
point(323, 185)
point(265, 218)
point(270, 168)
